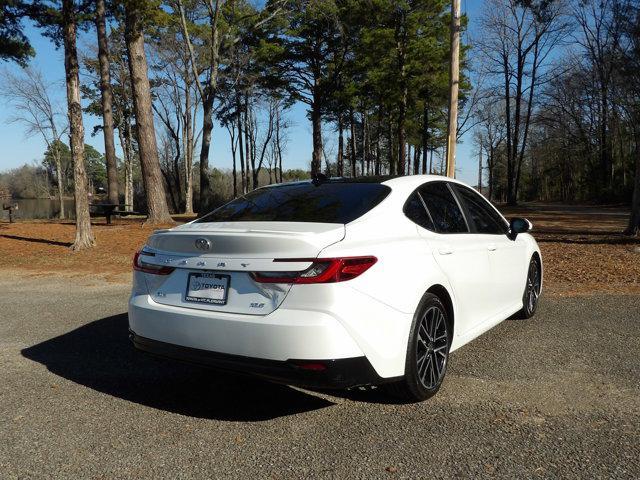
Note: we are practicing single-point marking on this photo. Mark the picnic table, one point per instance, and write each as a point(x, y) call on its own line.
point(10, 208)
point(109, 210)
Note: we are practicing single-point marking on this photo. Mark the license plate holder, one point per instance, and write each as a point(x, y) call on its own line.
point(208, 287)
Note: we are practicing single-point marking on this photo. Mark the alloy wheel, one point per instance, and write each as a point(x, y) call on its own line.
point(432, 347)
point(533, 286)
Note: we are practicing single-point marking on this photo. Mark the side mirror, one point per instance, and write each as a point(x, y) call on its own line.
point(519, 225)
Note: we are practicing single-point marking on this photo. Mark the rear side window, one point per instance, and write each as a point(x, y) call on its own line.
point(480, 213)
point(443, 207)
point(330, 202)
point(415, 211)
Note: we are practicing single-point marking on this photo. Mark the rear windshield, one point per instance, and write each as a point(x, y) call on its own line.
point(330, 202)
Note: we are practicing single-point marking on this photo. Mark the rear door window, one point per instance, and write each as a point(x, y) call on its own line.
point(415, 211)
point(443, 208)
point(329, 202)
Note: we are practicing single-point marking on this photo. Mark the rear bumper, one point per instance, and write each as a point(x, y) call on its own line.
point(337, 373)
point(281, 335)
point(324, 321)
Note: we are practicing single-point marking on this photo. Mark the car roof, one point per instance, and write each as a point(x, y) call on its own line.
point(391, 180)
point(404, 184)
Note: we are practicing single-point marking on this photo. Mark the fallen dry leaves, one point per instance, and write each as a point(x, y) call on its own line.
point(581, 251)
point(42, 247)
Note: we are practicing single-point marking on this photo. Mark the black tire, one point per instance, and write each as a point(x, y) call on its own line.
point(532, 289)
point(427, 352)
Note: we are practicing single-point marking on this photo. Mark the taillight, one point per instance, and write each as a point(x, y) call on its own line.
point(140, 265)
point(322, 270)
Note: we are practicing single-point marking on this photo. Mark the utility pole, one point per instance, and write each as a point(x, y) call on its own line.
point(454, 77)
point(480, 170)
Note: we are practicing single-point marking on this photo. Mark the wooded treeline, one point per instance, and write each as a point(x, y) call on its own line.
point(373, 75)
point(554, 108)
point(561, 102)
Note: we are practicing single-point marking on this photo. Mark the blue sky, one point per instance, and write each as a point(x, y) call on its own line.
point(17, 149)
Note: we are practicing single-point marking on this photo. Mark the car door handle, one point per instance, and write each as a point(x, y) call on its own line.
point(445, 251)
point(492, 247)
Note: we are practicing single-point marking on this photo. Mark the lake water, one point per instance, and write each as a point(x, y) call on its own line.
point(41, 208)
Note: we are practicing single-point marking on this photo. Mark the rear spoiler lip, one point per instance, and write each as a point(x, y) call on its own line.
point(220, 263)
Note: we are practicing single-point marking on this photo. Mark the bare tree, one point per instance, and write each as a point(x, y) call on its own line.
point(176, 107)
point(124, 113)
point(30, 98)
point(490, 134)
point(107, 102)
point(119, 103)
point(84, 235)
point(233, 140)
point(280, 139)
point(148, 150)
point(629, 55)
point(517, 42)
point(599, 36)
point(208, 91)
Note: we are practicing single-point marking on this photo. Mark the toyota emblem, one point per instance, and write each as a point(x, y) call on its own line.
point(203, 244)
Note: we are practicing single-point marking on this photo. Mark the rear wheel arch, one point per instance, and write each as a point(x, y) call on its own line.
point(426, 361)
point(443, 294)
point(536, 257)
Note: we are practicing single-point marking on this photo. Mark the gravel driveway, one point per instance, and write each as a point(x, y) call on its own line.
point(557, 396)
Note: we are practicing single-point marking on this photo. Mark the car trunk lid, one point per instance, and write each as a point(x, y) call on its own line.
point(221, 256)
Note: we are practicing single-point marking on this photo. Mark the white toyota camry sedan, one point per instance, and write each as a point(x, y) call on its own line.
point(336, 283)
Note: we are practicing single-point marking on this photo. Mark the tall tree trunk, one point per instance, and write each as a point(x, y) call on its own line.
point(340, 159)
point(241, 146)
point(417, 151)
point(316, 125)
point(392, 158)
point(58, 162)
point(133, 154)
point(188, 150)
point(363, 158)
point(248, 144)
point(234, 154)
point(604, 147)
point(207, 128)
point(634, 219)
point(266, 143)
point(378, 159)
point(211, 90)
point(254, 142)
point(490, 164)
point(376, 166)
point(84, 235)
point(151, 174)
point(506, 69)
point(278, 145)
point(107, 102)
point(527, 120)
point(402, 143)
point(401, 53)
point(177, 178)
point(128, 167)
point(126, 134)
point(480, 169)
point(354, 152)
point(207, 93)
point(425, 135)
point(431, 161)
point(167, 179)
point(454, 80)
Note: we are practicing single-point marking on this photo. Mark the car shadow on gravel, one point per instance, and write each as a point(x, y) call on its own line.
point(100, 356)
